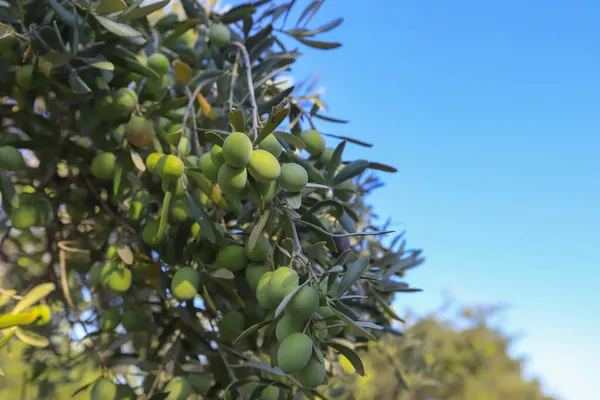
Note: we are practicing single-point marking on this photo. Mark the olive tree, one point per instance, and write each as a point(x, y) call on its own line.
point(174, 221)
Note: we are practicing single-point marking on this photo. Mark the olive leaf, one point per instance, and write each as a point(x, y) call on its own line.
point(33, 296)
point(135, 12)
point(272, 123)
point(286, 300)
point(237, 120)
point(258, 229)
point(351, 170)
point(353, 274)
point(5, 31)
point(351, 355)
point(290, 139)
point(109, 6)
point(254, 328)
point(200, 216)
point(117, 28)
point(334, 163)
point(31, 338)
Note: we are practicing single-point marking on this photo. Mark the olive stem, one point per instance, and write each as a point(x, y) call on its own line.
point(193, 110)
point(250, 88)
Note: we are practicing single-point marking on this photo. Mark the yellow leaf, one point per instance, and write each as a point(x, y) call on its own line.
point(183, 72)
point(28, 52)
point(206, 108)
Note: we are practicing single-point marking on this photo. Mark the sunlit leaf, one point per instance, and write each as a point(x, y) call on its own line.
point(33, 296)
point(31, 338)
point(183, 72)
point(117, 28)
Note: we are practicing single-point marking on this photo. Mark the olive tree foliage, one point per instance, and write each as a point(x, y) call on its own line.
point(444, 356)
point(177, 208)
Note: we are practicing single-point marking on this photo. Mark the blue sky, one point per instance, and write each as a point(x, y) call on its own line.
point(490, 110)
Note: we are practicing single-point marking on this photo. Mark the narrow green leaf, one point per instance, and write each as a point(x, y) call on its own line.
point(117, 28)
point(315, 250)
point(405, 263)
point(33, 296)
point(5, 31)
point(382, 167)
point(344, 257)
point(348, 139)
point(237, 120)
point(164, 215)
point(31, 338)
point(317, 44)
point(98, 63)
point(77, 84)
point(349, 321)
point(333, 270)
point(263, 366)
point(139, 12)
point(350, 355)
point(181, 29)
point(347, 223)
point(353, 274)
point(272, 123)
point(110, 6)
point(310, 8)
point(73, 20)
point(258, 229)
point(238, 13)
point(335, 161)
point(124, 58)
point(200, 216)
point(345, 309)
point(387, 309)
point(254, 328)
point(125, 254)
point(223, 273)
point(331, 119)
point(118, 176)
point(351, 170)
point(290, 139)
point(214, 138)
point(311, 32)
point(338, 208)
point(286, 300)
point(370, 325)
point(275, 100)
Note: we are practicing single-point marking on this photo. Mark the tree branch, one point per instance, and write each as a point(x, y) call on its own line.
point(250, 88)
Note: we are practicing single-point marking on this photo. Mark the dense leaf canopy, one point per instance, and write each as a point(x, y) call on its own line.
point(175, 206)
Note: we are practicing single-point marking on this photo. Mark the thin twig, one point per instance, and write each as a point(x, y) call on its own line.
point(9, 294)
point(250, 88)
point(195, 133)
point(63, 276)
point(234, 76)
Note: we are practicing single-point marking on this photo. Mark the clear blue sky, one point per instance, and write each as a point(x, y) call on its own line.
point(491, 112)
